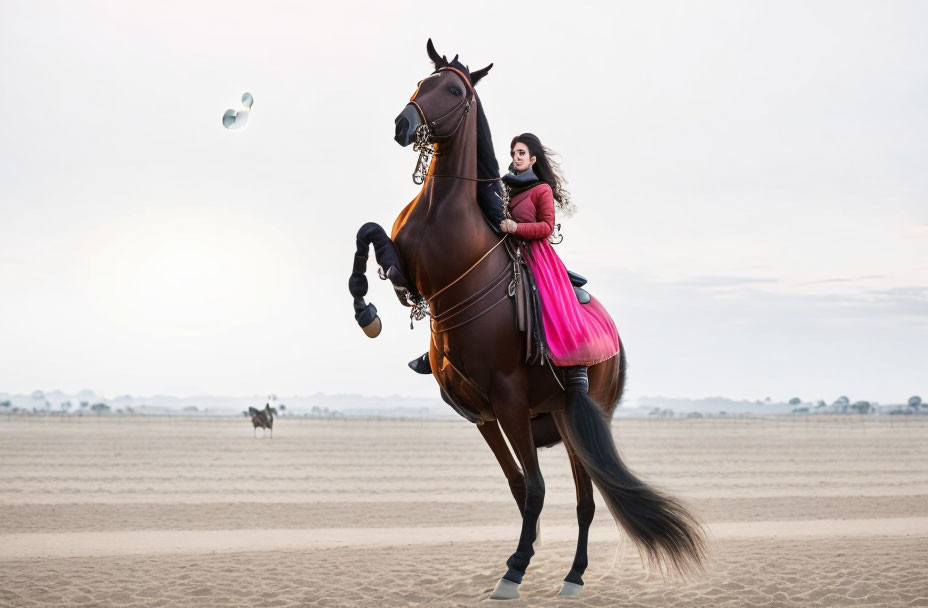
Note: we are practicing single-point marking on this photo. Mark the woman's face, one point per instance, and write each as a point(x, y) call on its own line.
point(520, 157)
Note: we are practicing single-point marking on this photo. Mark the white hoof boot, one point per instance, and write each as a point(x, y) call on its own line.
point(505, 590)
point(570, 589)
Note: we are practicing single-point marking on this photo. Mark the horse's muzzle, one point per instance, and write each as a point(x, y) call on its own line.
point(406, 124)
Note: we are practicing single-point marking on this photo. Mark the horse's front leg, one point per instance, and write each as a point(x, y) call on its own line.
point(573, 582)
point(388, 258)
point(515, 423)
point(494, 438)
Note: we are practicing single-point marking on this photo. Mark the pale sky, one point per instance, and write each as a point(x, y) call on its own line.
point(751, 181)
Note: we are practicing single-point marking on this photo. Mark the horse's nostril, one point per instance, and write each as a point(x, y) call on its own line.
point(406, 124)
point(402, 128)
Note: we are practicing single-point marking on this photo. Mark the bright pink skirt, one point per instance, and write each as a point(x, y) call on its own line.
point(577, 334)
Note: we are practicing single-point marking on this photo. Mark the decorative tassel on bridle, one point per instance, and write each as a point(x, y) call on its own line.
point(426, 150)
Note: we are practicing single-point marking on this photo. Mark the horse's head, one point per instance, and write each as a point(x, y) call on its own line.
point(440, 102)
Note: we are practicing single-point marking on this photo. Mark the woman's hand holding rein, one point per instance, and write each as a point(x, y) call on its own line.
point(508, 225)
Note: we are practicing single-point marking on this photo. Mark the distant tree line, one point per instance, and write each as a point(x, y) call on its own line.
point(843, 404)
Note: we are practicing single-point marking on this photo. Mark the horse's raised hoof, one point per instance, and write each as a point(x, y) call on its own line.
point(373, 328)
point(569, 589)
point(505, 590)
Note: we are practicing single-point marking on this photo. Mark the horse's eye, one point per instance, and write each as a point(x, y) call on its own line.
point(456, 91)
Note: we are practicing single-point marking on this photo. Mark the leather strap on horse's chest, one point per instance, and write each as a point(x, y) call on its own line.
point(439, 321)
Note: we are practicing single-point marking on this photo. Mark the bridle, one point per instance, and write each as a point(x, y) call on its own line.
point(426, 137)
point(467, 103)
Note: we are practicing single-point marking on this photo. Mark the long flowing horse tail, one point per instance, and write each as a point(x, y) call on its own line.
point(658, 524)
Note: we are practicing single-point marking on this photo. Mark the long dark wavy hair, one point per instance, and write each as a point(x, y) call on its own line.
point(547, 169)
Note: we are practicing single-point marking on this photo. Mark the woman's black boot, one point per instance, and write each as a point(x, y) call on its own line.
point(421, 365)
point(578, 381)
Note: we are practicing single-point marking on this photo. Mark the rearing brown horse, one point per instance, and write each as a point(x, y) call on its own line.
point(443, 253)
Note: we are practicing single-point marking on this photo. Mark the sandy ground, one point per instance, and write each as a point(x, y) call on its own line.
point(195, 512)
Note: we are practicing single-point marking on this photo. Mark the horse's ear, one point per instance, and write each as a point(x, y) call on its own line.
point(476, 76)
point(437, 59)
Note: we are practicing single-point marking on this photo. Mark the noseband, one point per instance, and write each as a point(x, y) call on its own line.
point(467, 102)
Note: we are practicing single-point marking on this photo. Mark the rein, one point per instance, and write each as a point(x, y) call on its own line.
point(471, 301)
point(473, 179)
point(421, 306)
point(464, 274)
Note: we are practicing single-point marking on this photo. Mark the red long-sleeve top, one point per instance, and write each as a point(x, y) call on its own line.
point(533, 211)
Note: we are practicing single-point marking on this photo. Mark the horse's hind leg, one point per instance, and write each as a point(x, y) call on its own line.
point(519, 431)
point(494, 438)
point(573, 582)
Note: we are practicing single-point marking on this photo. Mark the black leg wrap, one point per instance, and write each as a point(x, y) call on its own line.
point(385, 252)
point(519, 560)
point(357, 282)
point(387, 257)
point(364, 314)
point(584, 519)
point(514, 576)
point(578, 380)
point(574, 577)
point(585, 514)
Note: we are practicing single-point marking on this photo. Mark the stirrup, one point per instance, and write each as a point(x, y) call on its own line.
point(583, 295)
point(578, 281)
point(421, 365)
point(577, 379)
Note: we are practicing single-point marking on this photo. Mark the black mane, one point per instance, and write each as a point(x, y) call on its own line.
point(489, 193)
point(487, 165)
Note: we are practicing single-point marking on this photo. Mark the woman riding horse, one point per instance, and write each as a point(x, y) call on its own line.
point(445, 263)
point(577, 335)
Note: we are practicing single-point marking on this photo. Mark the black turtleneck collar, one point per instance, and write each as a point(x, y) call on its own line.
point(521, 181)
